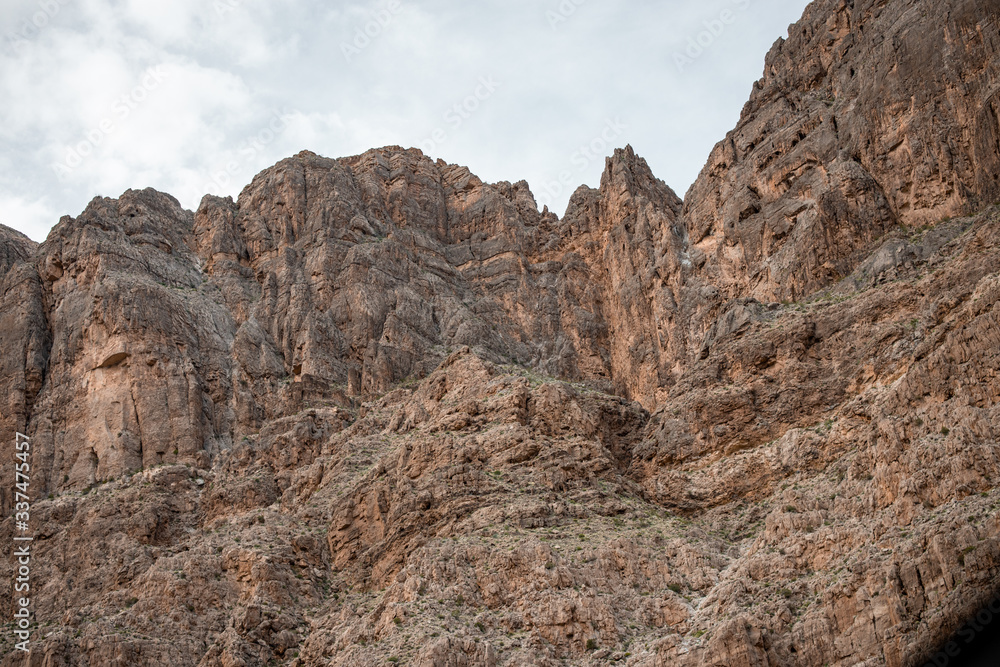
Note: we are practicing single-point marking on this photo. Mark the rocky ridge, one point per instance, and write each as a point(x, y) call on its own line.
point(377, 410)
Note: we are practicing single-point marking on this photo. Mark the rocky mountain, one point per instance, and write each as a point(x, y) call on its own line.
point(377, 411)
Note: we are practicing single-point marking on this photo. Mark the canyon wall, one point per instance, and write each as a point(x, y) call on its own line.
point(377, 408)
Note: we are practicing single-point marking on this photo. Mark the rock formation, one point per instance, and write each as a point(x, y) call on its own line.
point(870, 115)
point(378, 411)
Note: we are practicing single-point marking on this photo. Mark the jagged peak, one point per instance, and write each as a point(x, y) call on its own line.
point(14, 247)
point(627, 175)
point(133, 203)
point(11, 234)
point(145, 211)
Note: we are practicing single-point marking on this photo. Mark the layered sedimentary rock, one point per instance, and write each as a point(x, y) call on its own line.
point(376, 408)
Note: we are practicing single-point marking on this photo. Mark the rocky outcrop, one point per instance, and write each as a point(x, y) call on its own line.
point(138, 368)
point(492, 515)
point(378, 410)
point(871, 114)
point(373, 267)
point(25, 346)
point(165, 337)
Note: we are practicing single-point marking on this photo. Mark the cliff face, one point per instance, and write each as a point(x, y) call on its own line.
point(870, 115)
point(171, 335)
point(378, 408)
point(25, 344)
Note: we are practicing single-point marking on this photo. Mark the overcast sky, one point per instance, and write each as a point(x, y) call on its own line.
point(196, 96)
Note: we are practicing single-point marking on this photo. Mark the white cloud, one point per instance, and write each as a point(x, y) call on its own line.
point(33, 218)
